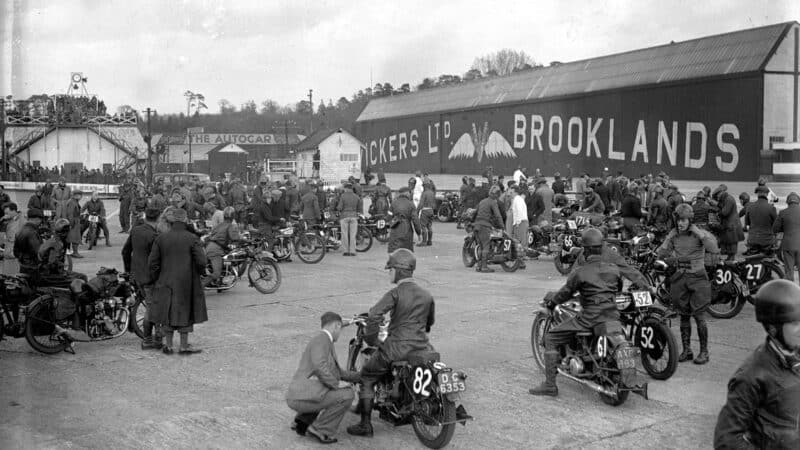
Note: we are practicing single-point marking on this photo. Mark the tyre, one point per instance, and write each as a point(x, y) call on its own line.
point(264, 275)
point(726, 307)
point(382, 234)
point(436, 436)
point(541, 325)
point(468, 253)
point(91, 237)
point(511, 266)
point(138, 313)
point(310, 248)
point(563, 267)
point(659, 349)
point(444, 213)
point(40, 326)
point(363, 239)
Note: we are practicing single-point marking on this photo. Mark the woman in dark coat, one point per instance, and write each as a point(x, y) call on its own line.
point(176, 262)
point(405, 222)
point(731, 232)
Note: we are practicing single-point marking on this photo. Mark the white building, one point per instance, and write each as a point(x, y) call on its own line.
point(330, 155)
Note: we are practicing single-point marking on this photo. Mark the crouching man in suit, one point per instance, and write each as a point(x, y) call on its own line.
point(319, 391)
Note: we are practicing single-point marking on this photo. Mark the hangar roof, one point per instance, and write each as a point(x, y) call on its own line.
point(726, 54)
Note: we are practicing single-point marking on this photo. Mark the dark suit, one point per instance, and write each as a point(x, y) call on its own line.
point(136, 251)
point(315, 386)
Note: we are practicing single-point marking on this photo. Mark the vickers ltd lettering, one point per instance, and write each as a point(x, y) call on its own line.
point(676, 143)
point(404, 145)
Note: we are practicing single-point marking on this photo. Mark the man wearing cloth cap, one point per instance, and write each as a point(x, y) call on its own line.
point(759, 218)
point(788, 223)
point(61, 195)
point(72, 210)
point(701, 208)
point(134, 258)
point(731, 228)
point(762, 184)
point(349, 207)
point(176, 263)
point(404, 223)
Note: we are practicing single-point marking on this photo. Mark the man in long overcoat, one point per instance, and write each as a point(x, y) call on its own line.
point(405, 222)
point(176, 262)
point(61, 195)
point(72, 212)
point(731, 227)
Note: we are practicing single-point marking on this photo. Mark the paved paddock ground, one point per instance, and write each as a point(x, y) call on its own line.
point(113, 395)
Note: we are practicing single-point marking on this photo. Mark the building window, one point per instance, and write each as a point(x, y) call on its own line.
point(348, 157)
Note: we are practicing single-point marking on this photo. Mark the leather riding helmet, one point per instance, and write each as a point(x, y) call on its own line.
point(700, 194)
point(228, 212)
point(684, 211)
point(61, 226)
point(402, 259)
point(592, 237)
point(778, 302)
point(744, 197)
point(494, 192)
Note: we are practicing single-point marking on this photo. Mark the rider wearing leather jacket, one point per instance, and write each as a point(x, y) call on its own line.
point(94, 207)
point(27, 244)
point(597, 281)
point(52, 258)
point(487, 217)
point(412, 316)
point(763, 405)
point(686, 247)
point(218, 241)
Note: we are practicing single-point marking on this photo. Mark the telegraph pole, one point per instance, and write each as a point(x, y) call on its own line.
point(3, 137)
point(311, 116)
point(149, 148)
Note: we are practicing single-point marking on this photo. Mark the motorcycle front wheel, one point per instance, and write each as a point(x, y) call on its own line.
point(444, 213)
point(659, 349)
point(363, 239)
point(382, 235)
point(91, 238)
point(430, 434)
point(541, 325)
point(40, 326)
point(468, 253)
point(563, 267)
point(138, 313)
point(511, 266)
point(264, 275)
point(310, 248)
point(726, 308)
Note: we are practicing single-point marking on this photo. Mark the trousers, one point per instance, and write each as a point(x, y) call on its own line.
point(332, 408)
point(349, 229)
point(791, 259)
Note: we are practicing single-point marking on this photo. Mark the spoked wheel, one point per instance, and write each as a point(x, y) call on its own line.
point(138, 313)
point(468, 253)
point(382, 234)
point(363, 239)
point(427, 417)
point(541, 325)
point(40, 326)
point(563, 266)
point(310, 248)
point(726, 307)
point(264, 275)
point(444, 213)
point(91, 239)
point(659, 349)
point(511, 266)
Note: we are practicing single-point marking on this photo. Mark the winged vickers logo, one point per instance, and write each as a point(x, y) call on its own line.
point(480, 142)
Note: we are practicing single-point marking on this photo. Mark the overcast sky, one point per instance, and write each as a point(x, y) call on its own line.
point(148, 52)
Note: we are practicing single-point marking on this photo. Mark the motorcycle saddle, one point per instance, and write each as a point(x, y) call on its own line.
point(419, 358)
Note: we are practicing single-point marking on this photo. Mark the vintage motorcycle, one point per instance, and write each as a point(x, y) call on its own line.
point(92, 223)
point(733, 283)
point(503, 250)
point(15, 295)
point(248, 257)
point(331, 232)
point(378, 225)
point(567, 246)
point(541, 239)
point(100, 309)
point(448, 209)
point(421, 390)
point(293, 239)
point(605, 363)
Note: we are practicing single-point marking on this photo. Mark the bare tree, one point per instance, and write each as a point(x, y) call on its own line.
point(504, 62)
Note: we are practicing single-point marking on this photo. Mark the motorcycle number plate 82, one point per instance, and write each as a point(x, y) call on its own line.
point(450, 382)
point(642, 298)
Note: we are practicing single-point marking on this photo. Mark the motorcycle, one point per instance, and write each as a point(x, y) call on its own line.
point(448, 209)
point(604, 363)
point(92, 222)
point(261, 268)
point(568, 246)
point(733, 283)
point(378, 225)
point(541, 239)
point(503, 250)
point(15, 295)
point(293, 239)
point(421, 390)
point(331, 232)
point(100, 309)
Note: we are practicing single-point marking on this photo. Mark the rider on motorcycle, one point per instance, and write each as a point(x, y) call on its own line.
point(27, 244)
point(412, 315)
point(763, 406)
point(217, 243)
point(94, 207)
point(487, 217)
point(52, 258)
point(686, 247)
point(597, 281)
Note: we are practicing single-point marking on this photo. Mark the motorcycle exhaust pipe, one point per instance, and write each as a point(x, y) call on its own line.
point(593, 386)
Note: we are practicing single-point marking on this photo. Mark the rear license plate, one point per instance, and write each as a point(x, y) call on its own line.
point(626, 357)
point(450, 382)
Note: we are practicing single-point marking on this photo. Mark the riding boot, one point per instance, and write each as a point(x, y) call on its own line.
point(483, 265)
point(363, 428)
point(702, 334)
point(686, 340)
point(430, 237)
point(108, 241)
point(549, 386)
point(75, 253)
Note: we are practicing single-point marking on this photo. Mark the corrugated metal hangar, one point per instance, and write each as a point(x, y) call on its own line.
point(706, 109)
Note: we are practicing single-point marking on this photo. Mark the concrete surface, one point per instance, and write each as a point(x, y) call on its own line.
point(113, 395)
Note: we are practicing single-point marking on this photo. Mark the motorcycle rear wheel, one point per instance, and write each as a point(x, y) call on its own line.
point(264, 275)
point(541, 325)
point(512, 266)
point(310, 248)
point(468, 253)
point(662, 337)
point(138, 313)
point(444, 213)
point(40, 327)
point(727, 309)
point(444, 433)
point(363, 239)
